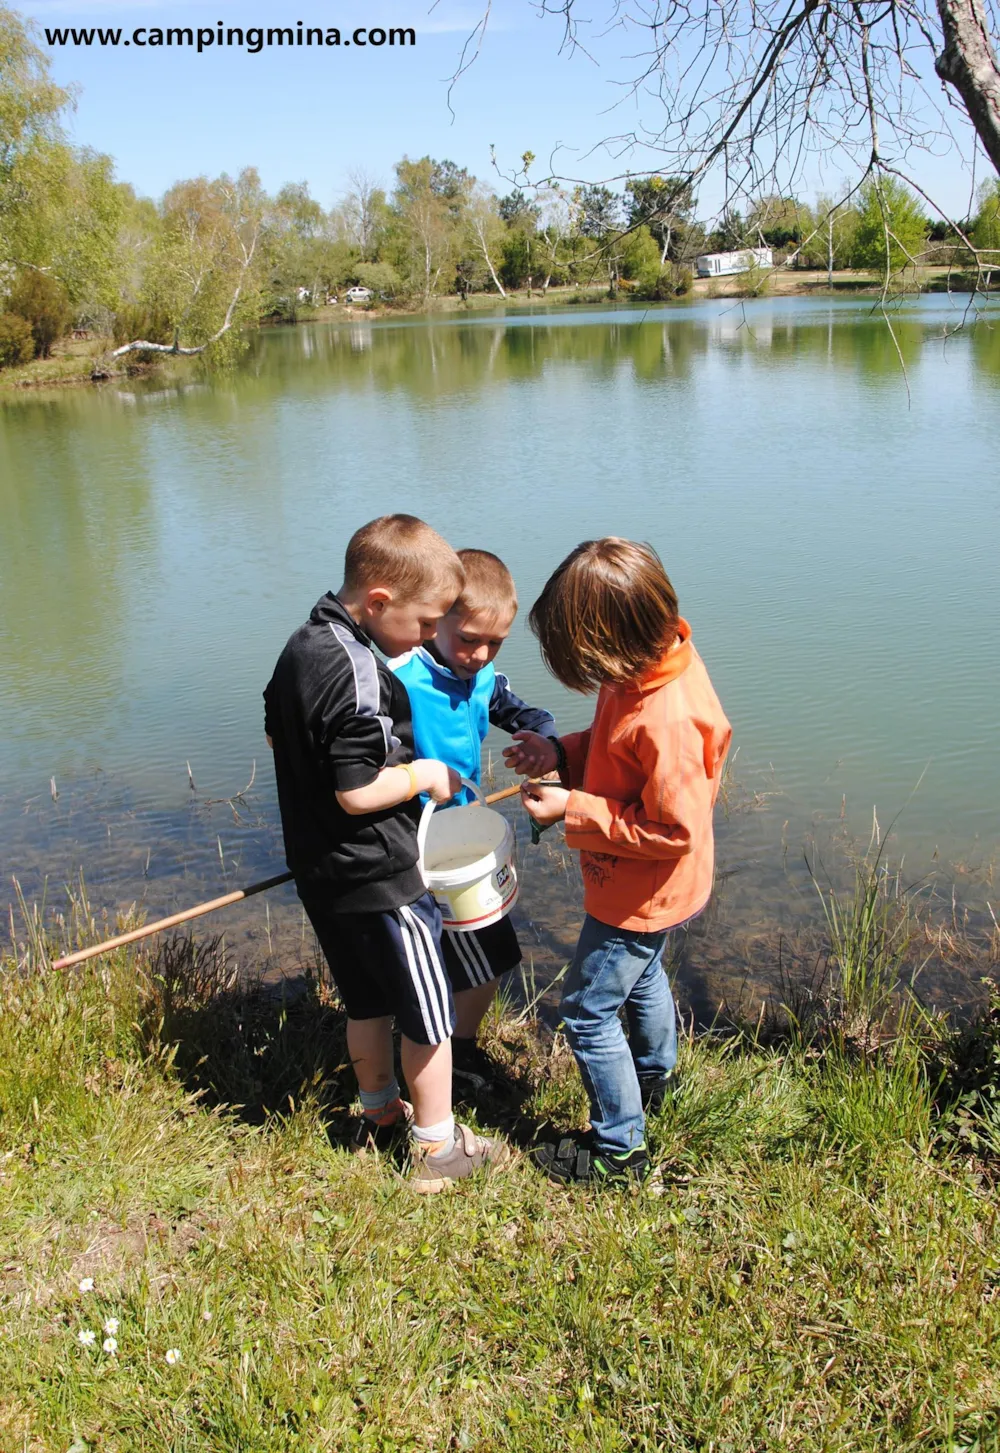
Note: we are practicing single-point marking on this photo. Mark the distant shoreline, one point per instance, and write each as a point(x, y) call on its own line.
point(73, 360)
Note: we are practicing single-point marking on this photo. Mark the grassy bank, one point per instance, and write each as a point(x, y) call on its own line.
point(820, 1270)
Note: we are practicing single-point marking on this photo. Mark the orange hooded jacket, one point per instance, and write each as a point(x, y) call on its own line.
point(645, 776)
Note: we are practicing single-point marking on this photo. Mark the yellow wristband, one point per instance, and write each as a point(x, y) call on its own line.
point(411, 772)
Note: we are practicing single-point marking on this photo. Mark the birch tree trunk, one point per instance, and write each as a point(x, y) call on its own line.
point(480, 232)
point(829, 251)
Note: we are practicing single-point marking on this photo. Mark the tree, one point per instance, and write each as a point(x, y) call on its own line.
point(756, 89)
point(554, 228)
point(363, 215)
point(60, 207)
point(427, 202)
point(304, 253)
point(31, 110)
point(986, 228)
point(43, 303)
point(891, 230)
point(381, 277)
point(517, 210)
point(830, 233)
point(206, 271)
point(598, 212)
point(17, 342)
point(778, 221)
point(485, 230)
point(452, 184)
point(663, 204)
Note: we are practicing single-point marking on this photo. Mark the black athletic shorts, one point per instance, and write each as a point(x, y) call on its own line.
point(389, 963)
point(476, 958)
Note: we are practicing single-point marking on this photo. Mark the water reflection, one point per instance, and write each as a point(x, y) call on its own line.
point(462, 353)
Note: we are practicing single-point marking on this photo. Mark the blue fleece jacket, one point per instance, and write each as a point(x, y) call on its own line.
point(451, 717)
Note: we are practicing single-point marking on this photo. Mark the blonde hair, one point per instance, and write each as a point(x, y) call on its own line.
point(489, 585)
point(402, 554)
point(608, 613)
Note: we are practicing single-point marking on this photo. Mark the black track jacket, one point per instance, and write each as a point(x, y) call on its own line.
point(337, 716)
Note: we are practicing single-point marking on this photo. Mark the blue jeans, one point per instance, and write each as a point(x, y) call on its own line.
point(612, 968)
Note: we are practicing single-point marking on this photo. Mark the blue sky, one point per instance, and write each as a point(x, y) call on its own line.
point(315, 114)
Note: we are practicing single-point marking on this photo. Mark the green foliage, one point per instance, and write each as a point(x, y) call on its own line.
point(516, 210)
point(891, 229)
point(730, 235)
point(60, 208)
point(427, 207)
point(208, 261)
point(515, 265)
point(43, 301)
point(598, 211)
point(986, 228)
point(672, 281)
point(754, 281)
point(665, 205)
point(17, 342)
point(381, 277)
point(834, 225)
point(133, 321)
point(640, 256)
point(31, 104)
point(780, 221)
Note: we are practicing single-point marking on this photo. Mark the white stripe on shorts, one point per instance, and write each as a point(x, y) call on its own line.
point(467, 958)
point(416, 978)
point(476, 947)
point(438, 975)
point(427, 972)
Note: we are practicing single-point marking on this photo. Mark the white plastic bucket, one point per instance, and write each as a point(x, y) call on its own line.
point(466, 858)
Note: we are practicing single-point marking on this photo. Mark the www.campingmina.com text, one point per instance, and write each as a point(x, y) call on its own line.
point(254, 39)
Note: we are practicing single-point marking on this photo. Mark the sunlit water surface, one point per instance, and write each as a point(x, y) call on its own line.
point(829, 521)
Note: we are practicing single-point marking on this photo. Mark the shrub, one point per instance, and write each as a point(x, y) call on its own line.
point(44, 303)
point(16, 342)
point(383, 279)
point(754, 281)
point(671, 281)
point(133, 321)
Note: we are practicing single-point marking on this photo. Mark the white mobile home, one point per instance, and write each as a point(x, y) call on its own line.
point(725, 264)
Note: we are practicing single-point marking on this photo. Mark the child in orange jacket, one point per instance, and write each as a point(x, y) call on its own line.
point(639, 787)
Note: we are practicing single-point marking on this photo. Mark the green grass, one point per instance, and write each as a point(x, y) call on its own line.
point(819, 1272)
point(74, 365)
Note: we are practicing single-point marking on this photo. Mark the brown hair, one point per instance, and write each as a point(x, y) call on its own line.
point(403, 554)
point(608, 613)
point(489, 585)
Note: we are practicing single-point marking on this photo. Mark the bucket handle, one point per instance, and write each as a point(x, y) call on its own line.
point(425, 823)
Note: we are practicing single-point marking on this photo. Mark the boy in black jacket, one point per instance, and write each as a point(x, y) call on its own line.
point(339, 724)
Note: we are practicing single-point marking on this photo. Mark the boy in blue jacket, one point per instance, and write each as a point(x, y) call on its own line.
point(456, 695)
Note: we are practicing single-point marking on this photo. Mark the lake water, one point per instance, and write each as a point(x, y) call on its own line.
point(829, 521)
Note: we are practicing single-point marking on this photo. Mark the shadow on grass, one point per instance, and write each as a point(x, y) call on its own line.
point(251, 1044)
point(257, 1046)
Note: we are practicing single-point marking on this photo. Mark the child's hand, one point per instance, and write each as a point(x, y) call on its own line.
point(532, 755)
point(436, 779)
point(544, 804)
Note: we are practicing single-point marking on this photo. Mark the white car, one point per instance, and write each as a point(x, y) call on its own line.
point(358, 295)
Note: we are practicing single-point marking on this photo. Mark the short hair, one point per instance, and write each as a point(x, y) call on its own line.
point(607, 614)
point(403, 554)
point(489, 585)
